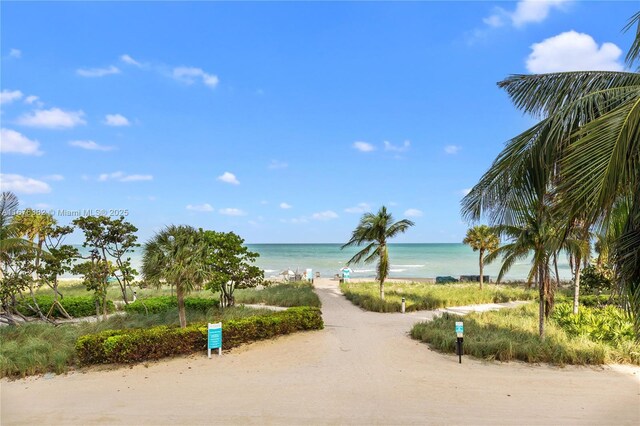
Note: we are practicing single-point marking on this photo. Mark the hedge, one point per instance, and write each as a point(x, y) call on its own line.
point(76, 306)
point(155, 305)
point(135, 345)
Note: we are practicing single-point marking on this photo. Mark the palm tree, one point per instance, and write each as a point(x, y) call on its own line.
point(9, 238)
point(584, 151)
point(374, 230)
point(176, 254)
point(482, 238)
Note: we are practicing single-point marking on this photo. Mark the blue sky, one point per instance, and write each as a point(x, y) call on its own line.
point(282, 122)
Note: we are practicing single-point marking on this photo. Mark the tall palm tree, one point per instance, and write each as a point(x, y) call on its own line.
point(9, 238)
point(482, 238)
point(176, 254)
point(374, 230)
point(585, 150)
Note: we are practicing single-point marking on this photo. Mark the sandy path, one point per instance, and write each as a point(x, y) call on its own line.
point(362, 369)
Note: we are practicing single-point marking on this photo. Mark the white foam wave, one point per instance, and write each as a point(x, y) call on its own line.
point(397, 270)
point(361, 271)
point(411, 266)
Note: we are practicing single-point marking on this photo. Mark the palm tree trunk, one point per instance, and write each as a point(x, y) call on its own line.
point(382, 288)
point(576, 288)
point(181, 312)
point(481, 267)
point(542, 302)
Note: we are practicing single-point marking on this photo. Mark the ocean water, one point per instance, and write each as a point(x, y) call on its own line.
point(407, 261)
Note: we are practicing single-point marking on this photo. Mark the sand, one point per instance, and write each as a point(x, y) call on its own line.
point(361, 369)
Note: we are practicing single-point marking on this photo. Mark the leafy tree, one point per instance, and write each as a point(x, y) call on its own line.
point(178, 256)
point(230, 264)
point(584, 151)
point(374, 230)
point(95, 273)
point(112, 240)
point(482, 238)
point(60, 258)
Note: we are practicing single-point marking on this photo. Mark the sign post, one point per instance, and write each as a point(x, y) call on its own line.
point(346, 274)
point(459, 339)
point(214, 338)
point(309, 274)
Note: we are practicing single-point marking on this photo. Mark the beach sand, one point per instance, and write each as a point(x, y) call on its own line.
point(361, 369)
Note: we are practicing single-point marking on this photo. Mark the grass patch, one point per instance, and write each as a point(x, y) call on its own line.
point(419, 296)
point(287, 295)
point(36, 348)
point(512, 334)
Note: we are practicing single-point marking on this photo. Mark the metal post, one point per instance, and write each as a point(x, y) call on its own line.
point(459, 349)
point(403, 305)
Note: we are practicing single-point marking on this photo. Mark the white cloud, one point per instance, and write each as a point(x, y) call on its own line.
point(229, 178)
point(55, 178)
point(15, 53)
point(7, 96)
point(388, 146)
point(526, 11)
point(360, 208)
point(129, 60)
point(116, 120)
point(32, 99)
point(136, 178)
point(123, 177)
point(15, 142)
point(190, 75)
point(573, 51)
point(53, 118)
point(295, 220)
point(97, 72)
point(285, 206)
point(325, 215)
point(22, 184)
point(232, 212)
point(413, 213)
point(363, 146)
point(91, 146)
point(275, 164)
point(494, 21)
point(452, 149)
point(200, 207)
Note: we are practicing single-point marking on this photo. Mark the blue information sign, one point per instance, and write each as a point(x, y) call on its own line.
point(214, 338)
point(459, 328)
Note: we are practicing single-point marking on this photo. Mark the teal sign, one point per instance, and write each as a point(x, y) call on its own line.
point(459, 328)
point(346, 274)
point(214, 340)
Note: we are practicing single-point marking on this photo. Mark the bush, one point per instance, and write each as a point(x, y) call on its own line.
point(76, 306)
point(155, 305)
point(608, 324)
point(596, 279)
point(135, 345)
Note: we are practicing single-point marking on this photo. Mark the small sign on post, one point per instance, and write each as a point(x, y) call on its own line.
point(214, 338)
point(459, 339)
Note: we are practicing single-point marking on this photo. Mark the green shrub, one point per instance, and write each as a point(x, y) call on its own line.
point(135, 345)
point(596, 279)
point(76, 306)
point(608, 324)
point(155, 305)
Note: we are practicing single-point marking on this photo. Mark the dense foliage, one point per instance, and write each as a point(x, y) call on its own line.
point(76, 306)
point(596, 278)
point(285, 294)
point(127, 346)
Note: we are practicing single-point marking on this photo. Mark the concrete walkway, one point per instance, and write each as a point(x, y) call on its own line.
point(361, 369)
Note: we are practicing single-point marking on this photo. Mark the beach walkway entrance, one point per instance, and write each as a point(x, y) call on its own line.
point(361, 369)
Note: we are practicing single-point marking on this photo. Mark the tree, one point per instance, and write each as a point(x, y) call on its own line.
point(112, 240)
point(178, 256)
point(374, 230)
point(482, 238)
point(584, 151)
point(60, 258)
point(230, 264)
point(530, 230)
